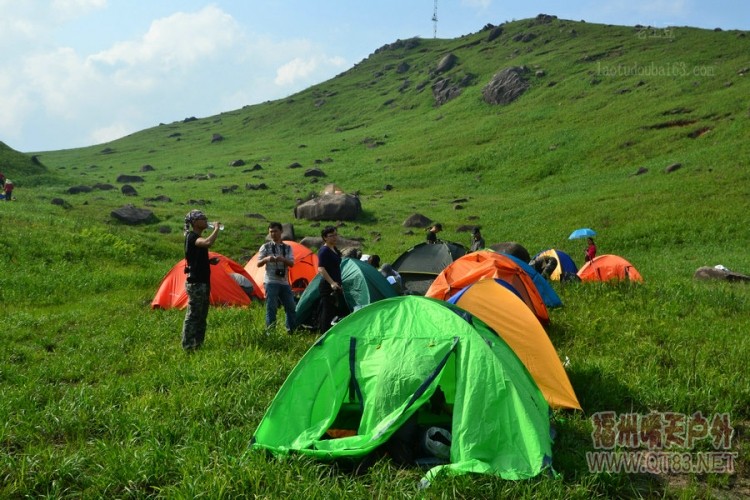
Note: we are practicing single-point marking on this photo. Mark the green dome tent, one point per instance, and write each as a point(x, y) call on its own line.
point(380, 368)
point(363, 284)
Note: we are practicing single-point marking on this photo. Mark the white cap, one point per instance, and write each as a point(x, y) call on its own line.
point(364, 257)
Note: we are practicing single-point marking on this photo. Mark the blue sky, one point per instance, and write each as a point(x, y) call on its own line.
point(81, 72)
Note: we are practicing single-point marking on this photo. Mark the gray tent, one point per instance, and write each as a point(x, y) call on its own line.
point(420, 265)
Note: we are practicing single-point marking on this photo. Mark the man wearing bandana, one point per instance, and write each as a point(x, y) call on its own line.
point(198, 278)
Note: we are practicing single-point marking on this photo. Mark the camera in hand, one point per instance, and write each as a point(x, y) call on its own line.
point(279, 272)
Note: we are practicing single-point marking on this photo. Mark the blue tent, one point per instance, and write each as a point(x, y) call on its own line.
point(549, 296)
point(565, 264)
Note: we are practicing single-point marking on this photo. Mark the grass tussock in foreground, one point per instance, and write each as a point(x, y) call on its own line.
point(97, 398)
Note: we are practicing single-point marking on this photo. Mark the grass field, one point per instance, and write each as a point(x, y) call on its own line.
point(97, 398)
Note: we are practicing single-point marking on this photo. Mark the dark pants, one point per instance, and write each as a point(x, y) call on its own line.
point(328, 309)
point(194, 327)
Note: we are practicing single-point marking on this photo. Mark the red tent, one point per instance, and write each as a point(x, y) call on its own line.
point(224, 289)
point(609, 267)
point(300, 275)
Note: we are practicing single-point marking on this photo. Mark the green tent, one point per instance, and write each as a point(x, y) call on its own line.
point(380, 367)
point(363, 284)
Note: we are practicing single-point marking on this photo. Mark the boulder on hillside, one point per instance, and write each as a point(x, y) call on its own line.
point(314, 172)
point(506, 86)
point(446, 63)
point(129, 214)
point(217, 138)
point(161, 198)
point(237, 163)
point(60, 202)
point(147, 168)
point(443, 91)
point(495, 33)
point(103, 186)
point(417, 220)
point(330, 207)
point(79, 189)
point(128, 190)
point(123, 178)
point(512, 248)
point(719, 273)
point(403, 67)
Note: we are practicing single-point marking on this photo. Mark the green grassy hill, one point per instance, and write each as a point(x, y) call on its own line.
point(90, 375)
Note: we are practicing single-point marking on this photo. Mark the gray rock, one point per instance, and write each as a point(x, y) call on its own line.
point(512, 248)
point(79, 189)
point(129, 214)
point(417, 220)
point(446, 63)
point(712, 273)
point(330, 207)
point(506, 86)
point(123, 178)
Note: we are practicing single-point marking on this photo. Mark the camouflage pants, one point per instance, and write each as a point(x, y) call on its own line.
point(194, 327)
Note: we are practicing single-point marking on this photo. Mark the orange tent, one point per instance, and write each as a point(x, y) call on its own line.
point(224, 289)
point(609, 267)
point(300, 275)
point(488, 264)
point(509, 317)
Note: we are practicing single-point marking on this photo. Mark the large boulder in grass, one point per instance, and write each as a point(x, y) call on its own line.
point(132, 215)
point(446, 63)
point(330, 207)
point(718, 273)
point(417, 220)
point(506, 86)
point(512, 248)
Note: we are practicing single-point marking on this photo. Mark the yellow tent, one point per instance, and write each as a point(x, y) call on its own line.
point(495, 304)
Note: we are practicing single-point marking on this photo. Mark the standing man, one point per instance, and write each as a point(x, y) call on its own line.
point(477, 242)
point(329, 268)
point(432, 233)
point(277, 257)
point(198, 283)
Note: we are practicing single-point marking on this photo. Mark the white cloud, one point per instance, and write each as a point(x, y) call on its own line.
point(300, 69)
point(185, 64)
point(175, 42)
point(110, 132)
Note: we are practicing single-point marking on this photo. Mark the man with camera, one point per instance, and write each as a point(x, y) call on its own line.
point(277, 257)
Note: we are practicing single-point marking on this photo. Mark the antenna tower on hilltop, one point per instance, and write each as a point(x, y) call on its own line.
point(434, 21)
